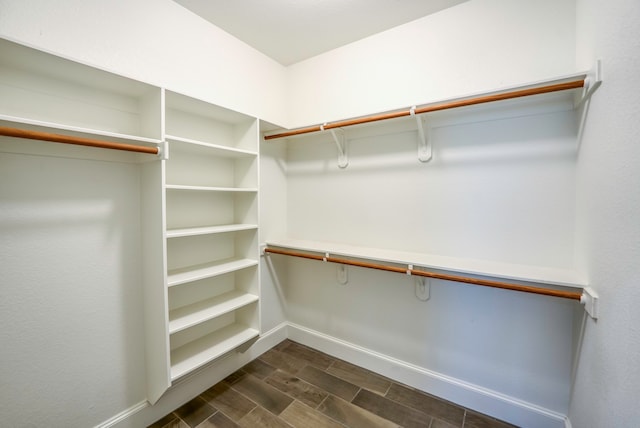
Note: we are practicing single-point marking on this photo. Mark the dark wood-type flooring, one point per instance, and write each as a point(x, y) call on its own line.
point(292, 385)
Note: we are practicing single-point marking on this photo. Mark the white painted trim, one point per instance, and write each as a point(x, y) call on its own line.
point(142, 414)
point(472, 396)
point(125, 414)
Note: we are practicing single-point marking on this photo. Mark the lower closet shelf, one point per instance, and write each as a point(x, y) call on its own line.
point(207, 270)
point(206, 349)
point(528, 273)
point(188, 316)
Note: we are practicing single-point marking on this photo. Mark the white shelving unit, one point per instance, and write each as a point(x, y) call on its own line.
point(211, 230)
point(199, 200)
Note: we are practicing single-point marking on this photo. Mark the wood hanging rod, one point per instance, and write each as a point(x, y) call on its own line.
point(80, 141)
point(573, 295)
point(574, 84)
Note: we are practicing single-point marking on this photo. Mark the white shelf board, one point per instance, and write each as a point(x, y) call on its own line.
point(569, 95)
point(210, 189)
point(52, 127)
point(195, 354)
point(188, 316)
point(209, 230)
point(207, 270)
point(537, 274)
point(211, 149)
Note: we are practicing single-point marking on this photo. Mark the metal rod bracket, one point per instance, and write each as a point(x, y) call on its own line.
point(342, 274)
point(424, 140)
point(591, 83)
point(422, 288)
point(341, 143)
point(163, 150)
point(589, 299)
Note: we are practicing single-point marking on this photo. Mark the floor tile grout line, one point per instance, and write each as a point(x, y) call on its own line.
point(180, 419)
point(442, 401)
point(243, 395)
point(388, 389)
point(288, 405)
point(322, 413)
point(210, 416)
point(323, 400)
point(355, 395)
point(294, 353)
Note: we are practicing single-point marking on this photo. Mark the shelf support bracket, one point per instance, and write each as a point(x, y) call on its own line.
point(589, 299)
point(342, 275)
point(592, 82)
point(424, 143)
point(163, 150)
point(341, 143)
point(423, 288)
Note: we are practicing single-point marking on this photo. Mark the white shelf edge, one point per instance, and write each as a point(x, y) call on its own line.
point(209, 230)
point(536, 274)
point(523, 86)
point(207, 270)
point(204, 310)
point(211, 189)
point(96, 132)
point(196, 354)
point(233, 151)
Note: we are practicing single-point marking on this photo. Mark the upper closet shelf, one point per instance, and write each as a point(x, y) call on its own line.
point(41, 93)
point(578, 86)
point(51, 126)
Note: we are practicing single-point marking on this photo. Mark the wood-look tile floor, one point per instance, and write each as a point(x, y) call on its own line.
point(292, 385)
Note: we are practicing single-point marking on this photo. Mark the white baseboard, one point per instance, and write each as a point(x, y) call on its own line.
point(124, 415)
point(472, 396)
point(143, 414)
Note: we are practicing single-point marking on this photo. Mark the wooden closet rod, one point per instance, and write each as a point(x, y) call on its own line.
point(574, 295)
point(67, 139)
point(574, 84)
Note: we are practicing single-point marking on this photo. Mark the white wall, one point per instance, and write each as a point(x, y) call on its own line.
point(156, 41)
point(501, 190)
point(608, 377)
point(473, 47)
point(72, 336)
point(497, 189)
point(479, 45)
point(71, 245)
point(273, 221)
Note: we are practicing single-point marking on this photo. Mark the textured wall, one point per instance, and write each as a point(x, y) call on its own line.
point(608, 377)
point(472, 47)
point(157, 41)
point(70, 299)
point(500, 190)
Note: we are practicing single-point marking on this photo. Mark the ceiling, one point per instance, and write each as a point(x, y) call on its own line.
point(290, 31)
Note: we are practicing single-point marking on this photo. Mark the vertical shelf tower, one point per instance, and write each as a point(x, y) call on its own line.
point(209, 200)
point(199, 201)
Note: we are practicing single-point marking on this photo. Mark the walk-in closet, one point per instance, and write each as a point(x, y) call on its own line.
point(434, 224)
